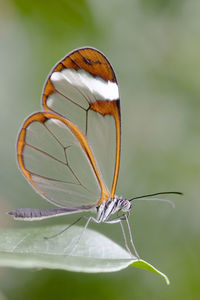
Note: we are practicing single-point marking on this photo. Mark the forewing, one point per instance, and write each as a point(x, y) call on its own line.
point(83, 88)
point(57, 160)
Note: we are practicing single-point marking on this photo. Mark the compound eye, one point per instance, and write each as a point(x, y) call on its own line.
point(126, 205)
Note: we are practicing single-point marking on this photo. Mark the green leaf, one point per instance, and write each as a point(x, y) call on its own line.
point(27, 248)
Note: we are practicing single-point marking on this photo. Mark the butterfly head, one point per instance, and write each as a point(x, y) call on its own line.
point(124, 204)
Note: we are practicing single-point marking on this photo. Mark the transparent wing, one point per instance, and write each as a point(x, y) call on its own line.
point(57, 160)
point(83, 88)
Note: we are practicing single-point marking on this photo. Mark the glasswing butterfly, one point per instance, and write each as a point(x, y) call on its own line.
point(70, 151)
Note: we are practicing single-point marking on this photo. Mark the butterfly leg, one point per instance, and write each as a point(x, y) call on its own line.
point(125, 239)
point(131, 237)
point(81, 234)
point(119, 220)
point(60, 232)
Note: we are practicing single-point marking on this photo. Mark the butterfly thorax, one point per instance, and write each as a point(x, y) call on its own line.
point(112, 206)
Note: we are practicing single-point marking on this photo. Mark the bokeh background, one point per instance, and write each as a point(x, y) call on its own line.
point(154, 47)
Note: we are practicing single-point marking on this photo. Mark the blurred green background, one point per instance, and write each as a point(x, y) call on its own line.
point(154, 47)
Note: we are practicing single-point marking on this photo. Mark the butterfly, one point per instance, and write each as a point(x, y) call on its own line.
point(70, 151)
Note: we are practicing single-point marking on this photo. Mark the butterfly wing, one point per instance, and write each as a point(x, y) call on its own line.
point(83, 88)
point(57, 160)
point(58, 149)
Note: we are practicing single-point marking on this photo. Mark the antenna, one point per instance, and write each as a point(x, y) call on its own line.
point(157, 199)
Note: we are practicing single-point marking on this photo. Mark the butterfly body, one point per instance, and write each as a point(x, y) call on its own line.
point(104, 211)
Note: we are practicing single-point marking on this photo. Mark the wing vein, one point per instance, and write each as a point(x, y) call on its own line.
point(72, 101)
point(53, 179)
point(45, 153)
